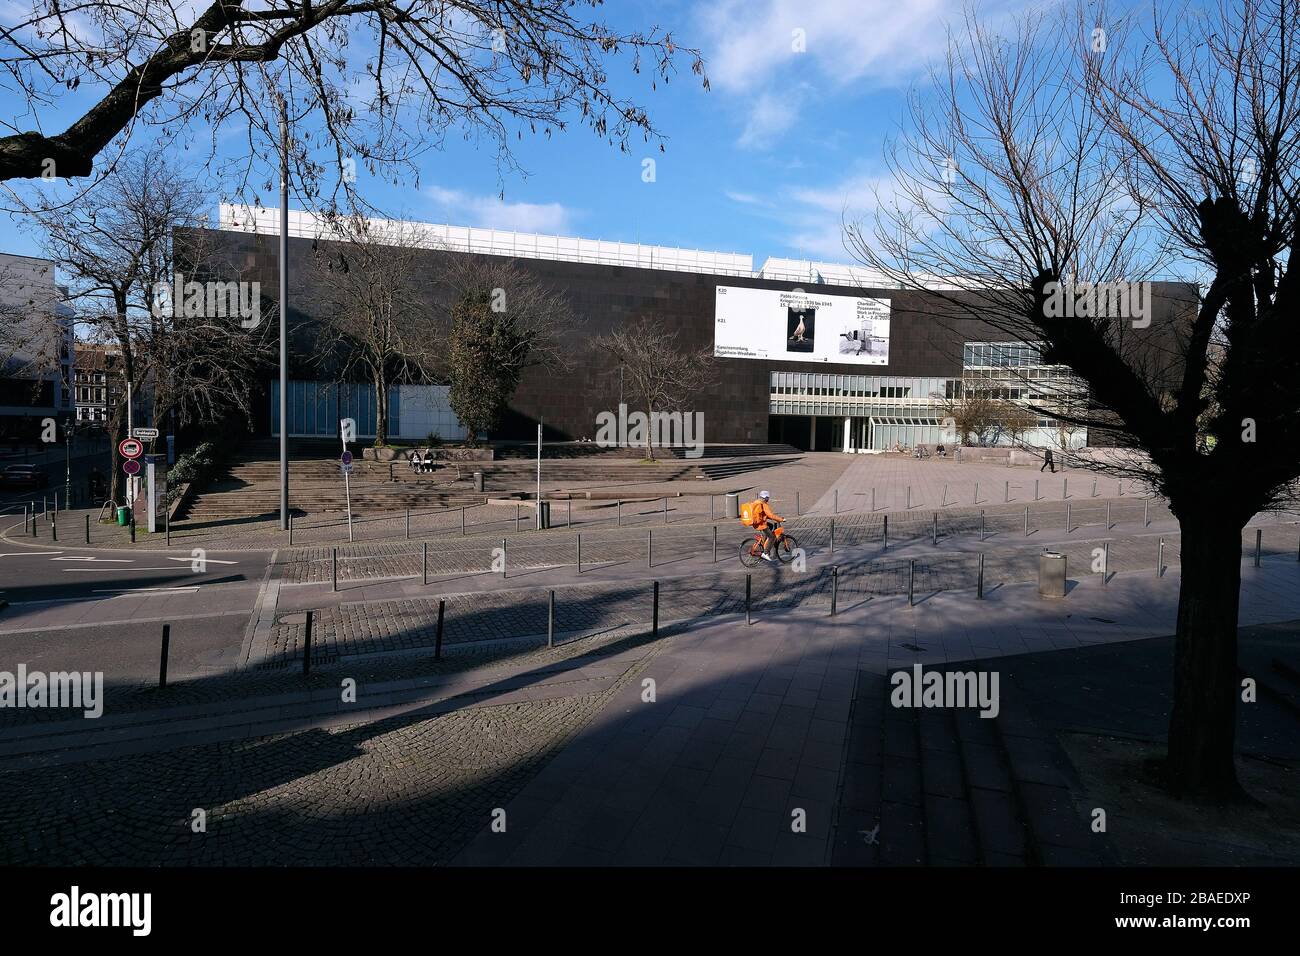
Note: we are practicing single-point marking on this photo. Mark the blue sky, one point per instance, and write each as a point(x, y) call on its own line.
point(765, 163)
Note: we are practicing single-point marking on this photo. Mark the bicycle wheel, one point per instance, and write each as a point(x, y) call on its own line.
point(749, 557)
point(785, 548)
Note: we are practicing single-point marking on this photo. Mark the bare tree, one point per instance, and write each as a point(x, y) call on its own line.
point(1094, 150)
point(660, 376)
point(501, 320)
point(378, 317)
point(385, 79)
point(116, 247)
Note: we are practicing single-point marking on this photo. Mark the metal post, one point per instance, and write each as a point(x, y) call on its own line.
point(1067, 518)
point(167, 524)
point(909, 497)
point(665, 509)
point(934, 529)
point(911, 582)
point(981, 524)
point(1065, 488)
point(1121, 488)
point(654, 620)
point(835, 584)
point(1105, 563)
point(798, 511)
point(579, 552)
point(437, 636)
point(649, 548)
point(334, 566)
point(516, 517)
point(837, 502)
point(291, 531)
point(550, 619)
point(166, 648)
point(424, 562)
point(568, 513)
point(943, 502)
point(873, 500)
point(1094, 487)
point(1146, 514)
point(715, 544)
point(306, 646)
point(620, 512)
point(87, 528)
point(1006, 492)
point(462, 521)
point(1108, 524)
point(886, 538)
point(1160, 558)
point(1259, 540)
point(979, 580)
point(408, 524)
point(503, 557)
point(133, 527)
point(1036, 489)
point(977, 492)
point(283, 307)
point(54, 524)
point(749, 584)
point(711, 518)
point(832, 535)
point(1026, 521)
point(539, 476)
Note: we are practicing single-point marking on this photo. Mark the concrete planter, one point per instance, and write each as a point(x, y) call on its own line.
point(383, 453)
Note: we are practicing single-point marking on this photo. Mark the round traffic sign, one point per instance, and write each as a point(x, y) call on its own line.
point(130, 448)
point(346, 458)
point(131, 467)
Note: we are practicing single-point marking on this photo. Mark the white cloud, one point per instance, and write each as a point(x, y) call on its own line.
point(814, 216)
point(770, 116)
point(467, 209)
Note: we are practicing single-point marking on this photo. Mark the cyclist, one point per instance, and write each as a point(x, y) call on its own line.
point(764, 520)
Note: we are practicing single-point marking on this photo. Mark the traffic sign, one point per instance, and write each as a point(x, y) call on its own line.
point(131, 466)
point(145, 434)
point(130, 448)
point(346, 467)
point(346, 458)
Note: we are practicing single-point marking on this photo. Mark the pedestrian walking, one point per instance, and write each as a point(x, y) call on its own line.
point(1048, 461)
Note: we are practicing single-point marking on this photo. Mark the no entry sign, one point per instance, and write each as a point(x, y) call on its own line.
point(130, 448)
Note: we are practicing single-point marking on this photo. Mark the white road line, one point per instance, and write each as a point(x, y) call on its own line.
point(206, 560)
point(101, 560)
point(124, 591)
point(30, 554)
point(120, 570)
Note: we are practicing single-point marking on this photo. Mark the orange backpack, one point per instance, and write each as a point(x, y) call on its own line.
point(747, 514)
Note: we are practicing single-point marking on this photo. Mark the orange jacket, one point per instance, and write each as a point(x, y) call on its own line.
point(761, 513)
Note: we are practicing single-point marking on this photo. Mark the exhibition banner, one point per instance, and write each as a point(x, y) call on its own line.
point(800, 326)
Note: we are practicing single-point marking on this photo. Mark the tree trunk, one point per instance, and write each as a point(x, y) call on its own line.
point(649, 433)
point(1202, 726)
point(381, 409)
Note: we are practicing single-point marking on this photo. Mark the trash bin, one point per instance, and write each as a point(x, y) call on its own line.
point(123, 516)
point(543, 514)
point(733, 505)
point(478, 481)
point(1051, 574)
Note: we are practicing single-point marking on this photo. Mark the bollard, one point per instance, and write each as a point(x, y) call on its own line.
point(873, 500)
point(654, 620)
point(1006, 492)
point(1259, 539)
point(437, 636)
point(1160, 558)
point(1065, 488)
point(711, 518)
point(167, 525)
point(977, 492)
point(1121, 488)
point(87, 529)
point(835, 585)
point(832, 536)
point(25, 519)
point(462, 521)
point(550, 619)
point(749, 583)
point(291, 529)
point(306, 647)
point(1026, 521)
point(1108, 524)
point(1094, 487)
point(166, 648)
point(909, 498)
point(911, 582)
point(798, 511)
point(133, 527)
point(715, 544)
point(649, 549)
point(837, 502)
point(1105, 563)
point(408, 524)
point(1036, 489)
point(620, 512)
point(979, 580)
point(1146, 514)
point(934, 530)
point(981, 524)
point(424, 562)
point(568, 513)
point(334, 565)
point(665, 509)
point(54, 525)
point(943, 502)
point(516, 518)
point(503, 557)
point(886, 538)
point(579, 552)
point(1067, 518)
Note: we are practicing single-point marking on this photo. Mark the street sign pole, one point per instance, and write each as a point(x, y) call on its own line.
point(284, 320)
point(539, 476)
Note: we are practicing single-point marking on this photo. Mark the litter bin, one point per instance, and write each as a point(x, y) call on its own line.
point(543, 514)
point(123, 516)
point(733, 505)
point(1051, 574)
point(478, 481)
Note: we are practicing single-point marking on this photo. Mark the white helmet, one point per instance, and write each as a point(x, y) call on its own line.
point(765, 495)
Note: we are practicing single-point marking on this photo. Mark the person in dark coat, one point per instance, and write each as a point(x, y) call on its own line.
point(1048, 461)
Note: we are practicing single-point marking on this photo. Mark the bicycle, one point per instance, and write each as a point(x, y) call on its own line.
point(751, 549)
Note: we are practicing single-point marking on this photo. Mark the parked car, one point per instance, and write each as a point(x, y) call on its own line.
point(24, 476)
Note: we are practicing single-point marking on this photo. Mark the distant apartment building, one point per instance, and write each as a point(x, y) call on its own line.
point(37, 348)
point(97, 385)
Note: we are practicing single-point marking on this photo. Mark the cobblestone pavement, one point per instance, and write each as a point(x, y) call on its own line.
point(401, 791)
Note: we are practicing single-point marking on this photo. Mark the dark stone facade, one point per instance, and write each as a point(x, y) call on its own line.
point(604, 298)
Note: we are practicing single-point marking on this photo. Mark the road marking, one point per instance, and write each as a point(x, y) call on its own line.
point(123, 591)
point(132, 570)
point(101, 560)
point(19, 554)
point(207, 560)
